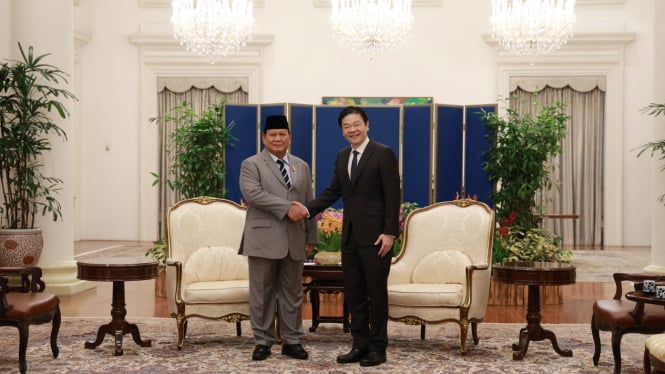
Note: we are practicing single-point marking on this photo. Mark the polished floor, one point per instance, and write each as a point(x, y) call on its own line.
point(142, 302)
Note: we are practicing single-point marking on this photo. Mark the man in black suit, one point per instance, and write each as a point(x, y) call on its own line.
point(366, 177)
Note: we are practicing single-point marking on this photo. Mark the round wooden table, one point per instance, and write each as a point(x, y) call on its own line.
point(325, 279)
point(534, 275)
point(118, 270)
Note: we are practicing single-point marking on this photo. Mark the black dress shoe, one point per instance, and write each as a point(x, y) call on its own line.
point(294, 351)
point(354, 355)
point(373, 359)
point(261, 352)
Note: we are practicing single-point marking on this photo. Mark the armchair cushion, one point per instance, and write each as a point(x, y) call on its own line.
point(442, 266)
point(212, 274)
point(426, 294)
point(209, 264)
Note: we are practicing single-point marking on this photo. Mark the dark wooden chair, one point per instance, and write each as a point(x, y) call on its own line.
point(23, 303)
point(616, 315)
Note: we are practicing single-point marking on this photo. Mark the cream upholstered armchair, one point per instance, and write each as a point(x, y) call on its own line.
point(205, 275)
point(443, 271)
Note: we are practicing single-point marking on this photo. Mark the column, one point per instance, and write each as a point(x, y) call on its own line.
point(658, 181)
point(48, 26)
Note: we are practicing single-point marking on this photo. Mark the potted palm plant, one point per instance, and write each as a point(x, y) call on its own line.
point(655, 109)
point(29, 99)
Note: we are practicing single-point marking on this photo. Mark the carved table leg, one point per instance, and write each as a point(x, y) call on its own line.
point(118, 326)
point(534, 331)
point(314, 299)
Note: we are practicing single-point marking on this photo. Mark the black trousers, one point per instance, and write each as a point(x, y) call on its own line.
point(366, 294)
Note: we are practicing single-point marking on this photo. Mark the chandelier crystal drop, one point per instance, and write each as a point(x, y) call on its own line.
point(371, 27)
point(212, 28)
point(532, 27)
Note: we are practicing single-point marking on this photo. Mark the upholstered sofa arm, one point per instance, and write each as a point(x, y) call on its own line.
point(479, 289)
point(173, 285)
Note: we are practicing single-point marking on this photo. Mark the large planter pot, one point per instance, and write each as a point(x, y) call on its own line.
point(20, 247)
point(511, 294)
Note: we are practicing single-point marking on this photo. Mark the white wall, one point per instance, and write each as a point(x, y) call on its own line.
point(447, 58)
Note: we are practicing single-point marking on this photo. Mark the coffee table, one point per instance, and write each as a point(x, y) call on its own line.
point(535, 275)
point(325, 279)
point(118, 270)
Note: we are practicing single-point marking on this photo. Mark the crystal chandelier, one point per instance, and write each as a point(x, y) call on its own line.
point(532, 27)
point(371, 27)
point(212, 28)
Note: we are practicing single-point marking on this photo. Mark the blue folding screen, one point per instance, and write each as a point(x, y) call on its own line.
point(449, 151)
point(416, 154)
point(476, 182)
point(329, 141)
point(441, 153)
point(301, 119)
point(245, 119)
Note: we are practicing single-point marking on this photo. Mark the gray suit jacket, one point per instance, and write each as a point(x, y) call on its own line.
point(269, 233)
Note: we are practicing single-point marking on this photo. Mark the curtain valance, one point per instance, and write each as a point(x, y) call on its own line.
point(182, 84)
point(579, 84)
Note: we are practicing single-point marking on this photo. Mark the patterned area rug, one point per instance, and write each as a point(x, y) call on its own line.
point(598, 266)
point(212, 347)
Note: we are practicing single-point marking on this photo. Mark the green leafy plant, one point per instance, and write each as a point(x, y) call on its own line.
point(657, 147)
point(515, 243)
point(197, 153)
point(197, 150)
point(158, 252)
point(29, 93)
point(517, 163)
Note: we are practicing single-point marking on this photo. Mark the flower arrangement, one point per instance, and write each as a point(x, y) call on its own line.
point(516, 243)
point(329, 224)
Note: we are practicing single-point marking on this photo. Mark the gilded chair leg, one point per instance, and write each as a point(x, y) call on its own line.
point(181, 331)
point(54, 333)
point(596, 341)
point(464, 332)
point(23, 333)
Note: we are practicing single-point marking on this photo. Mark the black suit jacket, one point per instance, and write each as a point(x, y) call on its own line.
point(372, 204)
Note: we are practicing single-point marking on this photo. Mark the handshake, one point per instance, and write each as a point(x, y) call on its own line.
point(297, 211)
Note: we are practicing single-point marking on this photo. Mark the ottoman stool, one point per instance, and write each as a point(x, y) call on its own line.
point(654, 354)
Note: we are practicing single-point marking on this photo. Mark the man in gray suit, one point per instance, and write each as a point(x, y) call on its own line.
point(274, 243)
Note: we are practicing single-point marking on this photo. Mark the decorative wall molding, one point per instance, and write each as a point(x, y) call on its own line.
point(167, 3)
point(599, 2)
point(162, 56)
point(418, 3)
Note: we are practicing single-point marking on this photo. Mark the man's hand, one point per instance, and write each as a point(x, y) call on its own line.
point(309, 247)
point(386, 244)
point(297, 211)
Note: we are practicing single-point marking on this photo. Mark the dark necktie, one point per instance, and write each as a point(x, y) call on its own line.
point(354, 167)
point(285, 175)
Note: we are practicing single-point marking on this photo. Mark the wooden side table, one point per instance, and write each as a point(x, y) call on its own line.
point(325, 279)
point(117, 270)
point(534, 275)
